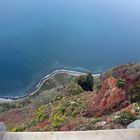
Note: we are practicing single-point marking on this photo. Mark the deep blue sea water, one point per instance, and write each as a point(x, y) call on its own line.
point(39, 36)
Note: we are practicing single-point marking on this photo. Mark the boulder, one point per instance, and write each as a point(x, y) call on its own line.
point(2, 127)
point(135, 124)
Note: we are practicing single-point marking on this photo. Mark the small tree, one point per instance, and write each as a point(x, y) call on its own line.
point(89, 82)
point(86, 82)
point(121, 83)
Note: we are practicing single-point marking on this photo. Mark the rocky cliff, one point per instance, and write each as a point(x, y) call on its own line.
point(63, 105)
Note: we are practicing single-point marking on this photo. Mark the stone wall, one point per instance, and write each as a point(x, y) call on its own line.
point(129, 134)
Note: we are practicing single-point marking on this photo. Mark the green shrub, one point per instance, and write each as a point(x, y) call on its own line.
point(61, 109)
point(91, 125)
point(125, 118)
point(58, 97)
point(72, 89)
point(40, 115)
point(86, 82)
point(18, 129)
point(57, 120)
point(97, 83)
point(74, 114)
point(135, 93)
point(58, 116)
point(121, 83)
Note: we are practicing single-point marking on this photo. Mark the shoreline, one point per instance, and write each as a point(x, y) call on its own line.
point(41, 82)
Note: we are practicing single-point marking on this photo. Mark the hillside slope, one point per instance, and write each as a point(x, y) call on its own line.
point(62, 105)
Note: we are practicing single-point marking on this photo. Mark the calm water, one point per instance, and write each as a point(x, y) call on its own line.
point(39, 36)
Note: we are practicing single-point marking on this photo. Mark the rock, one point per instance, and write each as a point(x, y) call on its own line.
point(129, 72)
point(100, 124)
point(109, 120)
point(109, 99)
point(133, 109)
point(2, 127)
point(135, 124)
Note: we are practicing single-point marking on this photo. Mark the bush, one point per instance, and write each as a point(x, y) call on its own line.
point(40, 116)
point(18, 129)
point(125, 118)
point(61, 109)
point(58, 117)
point(74, 114)
point(121, 83)
point(135, 93)
point(73, 89)
point(97, 83)
point(86, 82)
point(57, 120)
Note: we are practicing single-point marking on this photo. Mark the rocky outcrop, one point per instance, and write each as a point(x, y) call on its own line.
point(69, 108)
point(129, 72)
point(109, 98)
point(133, 109)
point(135, 124)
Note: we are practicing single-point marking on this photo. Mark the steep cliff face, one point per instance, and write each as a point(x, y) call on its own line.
point(129, 72)
point(68, 107)
point(110, 98)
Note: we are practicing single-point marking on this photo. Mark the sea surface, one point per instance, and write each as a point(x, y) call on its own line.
point(40, 36)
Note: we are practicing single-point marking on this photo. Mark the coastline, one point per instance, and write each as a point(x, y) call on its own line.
point(41, 82)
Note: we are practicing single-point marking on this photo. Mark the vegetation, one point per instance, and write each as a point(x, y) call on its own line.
point(91, 125)
point(72, 89)
point(121, 83)
point(40, 116)
point(18, 129)
point(135, 93)
point(86, 82)
point(62, 104)
point(57, 120)
point(97, 83)
point(125, 118)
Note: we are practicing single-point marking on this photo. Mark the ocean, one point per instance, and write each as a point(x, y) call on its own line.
point(40, 36)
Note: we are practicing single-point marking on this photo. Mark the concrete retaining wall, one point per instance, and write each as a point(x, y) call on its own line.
point(132, 134)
